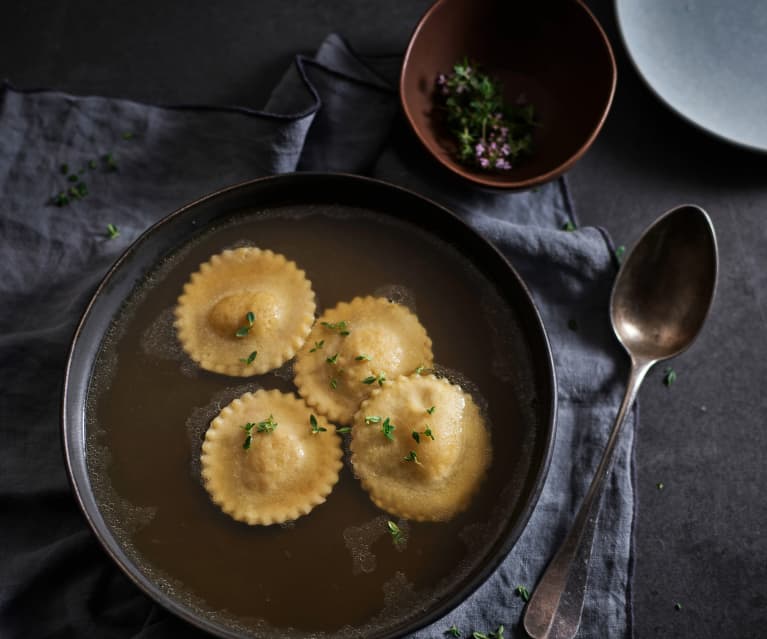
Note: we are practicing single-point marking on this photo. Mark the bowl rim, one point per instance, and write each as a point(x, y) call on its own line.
point(72, 406)
point(475, 176)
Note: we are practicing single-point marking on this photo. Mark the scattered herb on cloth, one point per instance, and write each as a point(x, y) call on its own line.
point(490, 133)
point(112, 232)
point(498, 634)
point(79, 189)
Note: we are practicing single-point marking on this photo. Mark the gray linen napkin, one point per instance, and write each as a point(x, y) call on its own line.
point(330, 112)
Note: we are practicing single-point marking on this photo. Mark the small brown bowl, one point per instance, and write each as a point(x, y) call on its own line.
point(553, 54)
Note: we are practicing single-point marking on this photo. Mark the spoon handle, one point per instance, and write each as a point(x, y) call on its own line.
point(555, 608)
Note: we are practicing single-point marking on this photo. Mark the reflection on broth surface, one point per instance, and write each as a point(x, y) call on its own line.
point(149, 407)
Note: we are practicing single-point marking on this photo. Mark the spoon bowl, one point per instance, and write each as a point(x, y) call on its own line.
point(661, 297)
point(664, 290)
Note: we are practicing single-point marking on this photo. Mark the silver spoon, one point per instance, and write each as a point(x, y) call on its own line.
point(660, 299)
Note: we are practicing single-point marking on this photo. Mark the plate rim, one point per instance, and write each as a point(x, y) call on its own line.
point(74, 449)
point(675, 109)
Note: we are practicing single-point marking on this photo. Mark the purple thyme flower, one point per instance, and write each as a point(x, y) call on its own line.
point(485, 137)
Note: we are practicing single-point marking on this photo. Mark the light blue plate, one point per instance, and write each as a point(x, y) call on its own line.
point(706, 59)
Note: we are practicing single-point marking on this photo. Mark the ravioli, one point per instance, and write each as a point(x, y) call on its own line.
point(356, 347)
point(420, 448)
point(244, 312)
point(266, 459)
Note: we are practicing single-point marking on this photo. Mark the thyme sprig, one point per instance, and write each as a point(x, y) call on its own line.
point(372, 379)
point(490, 133)
point(266, 426)
point(249, 359)
point(395, 532)
point(498, 634)
point(387, 428)
point(342, 327)
point(317, 346)
point(316, 428)
point(412, 456)
point(426, 433)
point(250, 319)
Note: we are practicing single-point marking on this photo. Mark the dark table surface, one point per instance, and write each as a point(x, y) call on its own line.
point(701, 540)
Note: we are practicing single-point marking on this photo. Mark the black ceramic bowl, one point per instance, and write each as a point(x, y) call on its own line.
point(135, 409)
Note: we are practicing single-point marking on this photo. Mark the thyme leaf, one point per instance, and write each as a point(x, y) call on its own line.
point(387, 428)
point(316, 428)
point(395, 532)
point(249, 359)
point(490, 133)
point(342, 327)
point(266, 426)
point(250, 319)
point(412, 457)
point(317, 346)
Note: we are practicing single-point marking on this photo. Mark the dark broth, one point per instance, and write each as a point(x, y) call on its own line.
point(335, 570)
